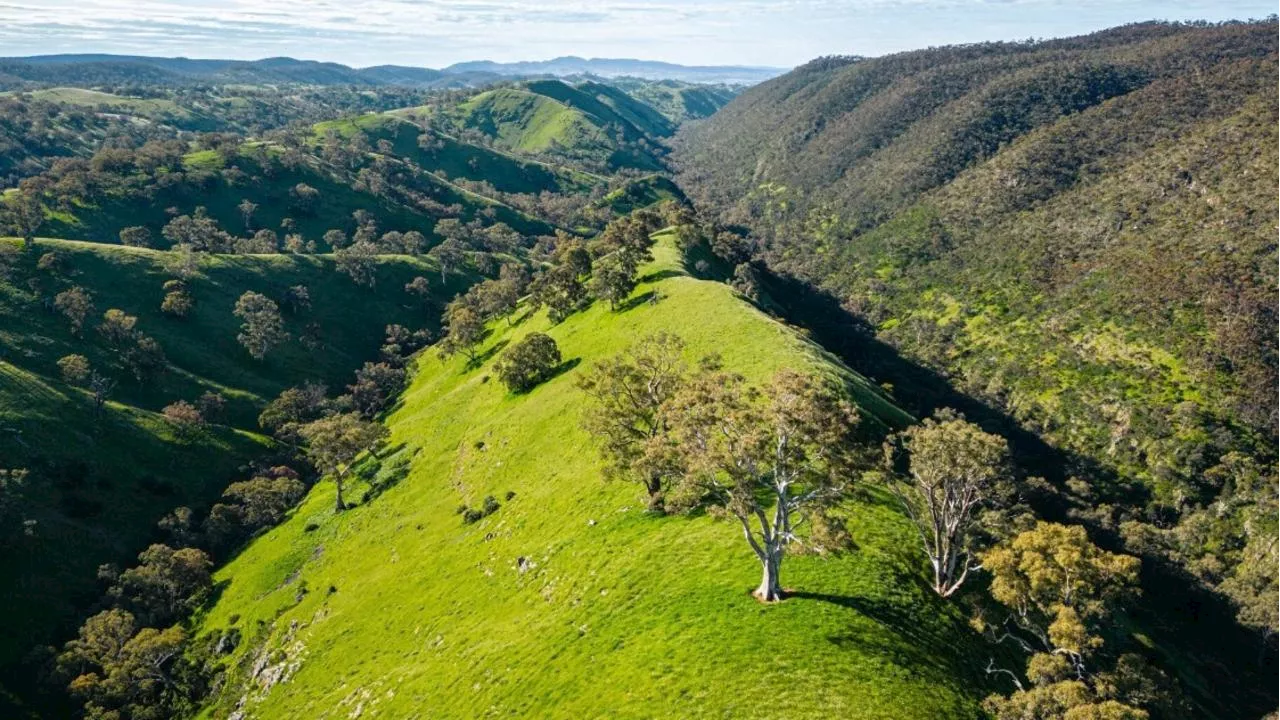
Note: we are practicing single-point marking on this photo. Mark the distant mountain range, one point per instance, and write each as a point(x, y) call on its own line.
point(17, 72)
point(614, 67)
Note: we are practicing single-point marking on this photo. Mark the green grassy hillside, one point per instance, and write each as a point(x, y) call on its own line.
point(159, 109)
point(115, 200)
point(396, 608)
point(642, 192)
point(594, 126)
point(99, 484)
point(619, 104)
point(453, 158)
point(678, 101)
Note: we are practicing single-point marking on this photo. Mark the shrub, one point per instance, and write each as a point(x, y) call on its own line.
point(51, 262)
point(487, 507)
point(177, 304)
point(136, 236)
point(74, 368)
point(211, 405)
point(117, 326)
point(530, 362)
point(185, 418)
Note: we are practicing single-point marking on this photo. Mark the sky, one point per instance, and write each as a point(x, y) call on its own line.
point(435, 33)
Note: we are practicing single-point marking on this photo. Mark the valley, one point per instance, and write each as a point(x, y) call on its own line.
point(939, 384)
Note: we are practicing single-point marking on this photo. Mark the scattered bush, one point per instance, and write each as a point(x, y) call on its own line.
point(185, 418)
point(74, 368)
point(487, 507)
point(528, 363)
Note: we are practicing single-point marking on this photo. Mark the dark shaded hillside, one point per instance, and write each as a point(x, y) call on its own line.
point(1079, 232)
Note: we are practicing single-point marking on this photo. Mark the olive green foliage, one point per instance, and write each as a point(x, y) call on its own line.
point(611, 281)
point(464, 329)
point(75, 304)
point(1058, 589)
point(764, 456)
point(358, 262)
point(74, 368)
point(165, 585)
point(123, 672)
point(251, 505)
point(528, 363)
point(262, 327)
point(559, 289)
point(334, 442)
point(955, 473)
point(627, 392)
point(186, 419)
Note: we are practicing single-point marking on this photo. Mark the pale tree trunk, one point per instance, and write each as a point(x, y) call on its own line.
point(768, 549)
point(770, 589)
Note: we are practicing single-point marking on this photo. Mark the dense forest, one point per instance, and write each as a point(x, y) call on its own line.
point(1078, 232)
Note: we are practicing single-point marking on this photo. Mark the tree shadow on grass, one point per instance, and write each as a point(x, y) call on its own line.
point(634, 302)
point(657, 275)
point(528, 313)
point(394, 467)
point(556, 372)
point(902, 637)
point(484, 357)
point(216, 592)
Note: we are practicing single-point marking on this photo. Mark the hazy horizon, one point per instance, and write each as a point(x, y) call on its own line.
point(438, 33)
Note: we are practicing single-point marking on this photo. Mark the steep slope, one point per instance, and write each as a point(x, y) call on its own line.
point(955, 213)
point(1078, 232)
point(569, 600)
point(639, 114)
point(99, 481)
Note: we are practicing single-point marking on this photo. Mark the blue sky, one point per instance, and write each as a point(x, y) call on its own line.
point(434, 33)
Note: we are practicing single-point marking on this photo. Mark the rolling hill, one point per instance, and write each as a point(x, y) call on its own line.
point(678, 101)
point(588, 123)
point(448, 156)
point(100, 481)
point(106, 68)
point(99, 203)
point(569, 600)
